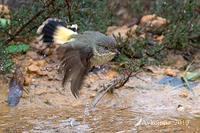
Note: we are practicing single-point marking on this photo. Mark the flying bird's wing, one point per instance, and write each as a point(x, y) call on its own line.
point(75, 64)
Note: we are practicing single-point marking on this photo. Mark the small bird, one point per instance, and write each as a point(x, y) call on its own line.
point(78, 52)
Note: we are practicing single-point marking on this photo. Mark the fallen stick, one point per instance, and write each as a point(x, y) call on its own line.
point(113, 85)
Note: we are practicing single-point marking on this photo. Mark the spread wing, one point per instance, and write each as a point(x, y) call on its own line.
point(75, 64)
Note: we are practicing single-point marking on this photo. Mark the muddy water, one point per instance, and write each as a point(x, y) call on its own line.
point(87, 119)
point(143, 106)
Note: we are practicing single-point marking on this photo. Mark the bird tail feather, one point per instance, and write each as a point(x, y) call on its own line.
point(54, 31)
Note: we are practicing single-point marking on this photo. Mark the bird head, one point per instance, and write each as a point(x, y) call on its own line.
point(105, 50)
point(109, 44)
point(73, 27)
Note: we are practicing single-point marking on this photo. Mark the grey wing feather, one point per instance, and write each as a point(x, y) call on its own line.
point(75, 64)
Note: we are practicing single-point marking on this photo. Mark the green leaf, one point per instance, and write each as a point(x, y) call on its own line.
point(4, 22)
point(188, 85)
point(9, 63)
point(193, 76)
point(14, 49)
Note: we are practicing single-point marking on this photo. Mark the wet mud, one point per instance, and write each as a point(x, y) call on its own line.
point(147, 103)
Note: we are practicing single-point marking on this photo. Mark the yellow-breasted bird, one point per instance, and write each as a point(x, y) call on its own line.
point(78, 52)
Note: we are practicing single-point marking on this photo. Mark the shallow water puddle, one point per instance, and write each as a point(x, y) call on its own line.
point(145, 106)
point(176, 82)
point(85, 119)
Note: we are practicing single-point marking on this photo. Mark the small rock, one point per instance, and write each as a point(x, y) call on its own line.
point(32, 54)
point(153, 22)
point(146, 19)
point(42, 73)
point(33, 68)
point(183, 95)
point(122, 30)
point(36, 67)
point(92, 95)
point(180, 108)
point(171, 72)
point(41, 63)
point(27, 80)
point(159, 23)
point(4, 10)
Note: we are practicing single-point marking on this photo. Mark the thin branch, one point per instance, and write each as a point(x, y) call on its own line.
point(54, 11)
point(113, 85)
point(28, 22)
point(68, 4)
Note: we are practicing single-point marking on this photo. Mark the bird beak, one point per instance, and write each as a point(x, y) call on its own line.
point(73, 27)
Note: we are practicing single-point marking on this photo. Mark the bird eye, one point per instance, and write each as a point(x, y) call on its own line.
point(73, 29)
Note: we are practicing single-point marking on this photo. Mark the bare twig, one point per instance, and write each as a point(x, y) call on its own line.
point(20, 29)
point(54, 11)
point(113, 85)
point(68, 4)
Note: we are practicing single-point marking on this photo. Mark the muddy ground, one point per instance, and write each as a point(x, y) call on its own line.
point(153, 101)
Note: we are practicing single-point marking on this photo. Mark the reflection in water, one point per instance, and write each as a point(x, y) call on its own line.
point(86, 119)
